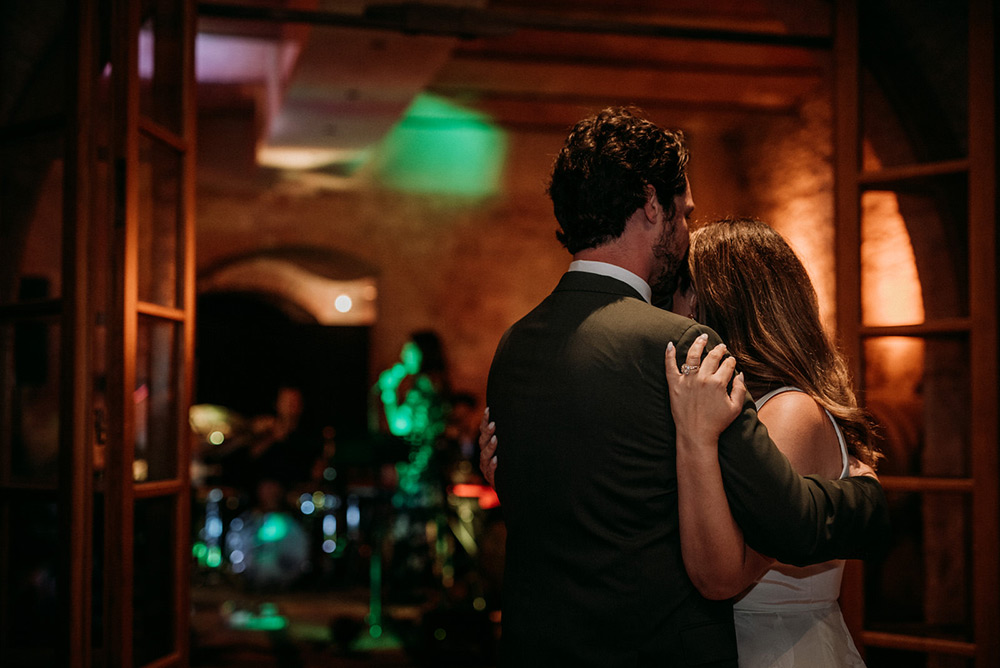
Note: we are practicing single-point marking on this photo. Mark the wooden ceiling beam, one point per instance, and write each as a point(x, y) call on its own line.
point(763, 90)
point(551, 113)
point(471, 22)
point(534, 44)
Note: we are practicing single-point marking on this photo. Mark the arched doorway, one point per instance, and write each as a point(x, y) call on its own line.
point(249, 344)
point(288, 317)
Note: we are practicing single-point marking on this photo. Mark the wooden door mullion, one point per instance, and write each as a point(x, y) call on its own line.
point(983, 310)
point(122, 326)
point(76, 419)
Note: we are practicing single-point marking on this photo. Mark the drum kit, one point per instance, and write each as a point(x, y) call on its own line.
point(272, 538)
point(257, 536)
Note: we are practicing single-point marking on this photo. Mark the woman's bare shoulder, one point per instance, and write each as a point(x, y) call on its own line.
point(803, 432)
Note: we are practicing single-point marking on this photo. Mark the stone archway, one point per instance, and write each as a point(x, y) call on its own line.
point(321, 285)
point(271, 317)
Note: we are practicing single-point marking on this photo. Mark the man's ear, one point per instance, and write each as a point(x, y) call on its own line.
point(652, 206)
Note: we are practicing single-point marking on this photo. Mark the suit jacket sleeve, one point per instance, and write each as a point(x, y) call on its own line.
point(797, 520)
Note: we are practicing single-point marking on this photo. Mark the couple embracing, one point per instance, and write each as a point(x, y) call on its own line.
point(642, 497)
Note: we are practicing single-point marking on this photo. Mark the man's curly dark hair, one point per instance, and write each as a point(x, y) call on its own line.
point(600, 175)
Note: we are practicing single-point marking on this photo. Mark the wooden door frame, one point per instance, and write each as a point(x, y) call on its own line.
point(88, 192)
point(76, 438)
point(981, 325)
point(847, 253)
point(985, 433)
point(128, 126)
point(121, 322)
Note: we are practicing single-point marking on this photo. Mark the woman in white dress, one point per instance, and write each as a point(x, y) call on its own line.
point(748, 285)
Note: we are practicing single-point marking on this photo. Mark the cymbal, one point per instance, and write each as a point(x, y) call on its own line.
point(208, 418)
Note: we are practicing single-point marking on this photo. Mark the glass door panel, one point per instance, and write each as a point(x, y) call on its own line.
point(35, 45)
point(148, 373)
point(920, 392)
point(31, 200)
point(159, 222)
point(29, 579)
point(155, 620)
point(916, 58)
point(33, 568)
point(74, 177)
point(29, 417)
point(921, 81)
point(161, 62)
point(914, 253)
point(924, 585)
point(156, 400)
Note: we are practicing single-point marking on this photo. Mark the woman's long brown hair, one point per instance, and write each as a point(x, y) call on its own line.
point(752, 289)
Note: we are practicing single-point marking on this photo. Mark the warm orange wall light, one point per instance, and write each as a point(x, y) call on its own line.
point(890, 286)
point(891, 294)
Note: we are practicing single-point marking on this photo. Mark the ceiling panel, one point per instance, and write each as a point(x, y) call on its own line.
point(579, 53)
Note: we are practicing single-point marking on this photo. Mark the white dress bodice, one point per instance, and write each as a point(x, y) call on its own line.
point(802, 587)
point(791, 618)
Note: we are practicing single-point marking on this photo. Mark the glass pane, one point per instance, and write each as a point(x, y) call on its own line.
point(919, 391)
point(29, 414)
point(923, 586)
point(101, 296)
point(31, 196)
point(877, 657)
point(34, 37)
point(914, 87)
point(161, 63)
point(31, 555)
point(156, 400)
point(98, 607)
point(155, 572)
point(159, 221)
point(914, 254)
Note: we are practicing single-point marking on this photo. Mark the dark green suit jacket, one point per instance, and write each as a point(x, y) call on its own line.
point(588, 488)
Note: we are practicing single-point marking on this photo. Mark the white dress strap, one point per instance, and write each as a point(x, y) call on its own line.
point(845, 465)
point(773, 393)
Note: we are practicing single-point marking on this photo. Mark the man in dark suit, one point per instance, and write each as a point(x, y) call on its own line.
point(587, 479)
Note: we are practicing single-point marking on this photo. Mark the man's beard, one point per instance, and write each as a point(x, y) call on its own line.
point(671, 267)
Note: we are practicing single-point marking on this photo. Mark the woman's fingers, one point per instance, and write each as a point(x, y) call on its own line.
point(739, 392)
point(487, 456)
point(694, 362)
point(695, 351)
point(727, 367)
point(486, 429)
point(670, 361)
point(487, 446)
point(489, 470)
point(710, 364)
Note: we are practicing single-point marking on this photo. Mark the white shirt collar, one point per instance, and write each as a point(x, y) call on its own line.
point(614, 271)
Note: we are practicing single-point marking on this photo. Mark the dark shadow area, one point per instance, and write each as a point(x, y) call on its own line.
point(248, 347)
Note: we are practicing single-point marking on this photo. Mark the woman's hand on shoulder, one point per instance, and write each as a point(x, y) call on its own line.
point(700, 401)
point(487, 447)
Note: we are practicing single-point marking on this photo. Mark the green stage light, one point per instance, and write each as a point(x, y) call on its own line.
point(274, 528)
point(440, 148)
point(214, 557)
